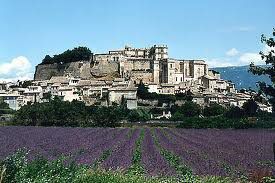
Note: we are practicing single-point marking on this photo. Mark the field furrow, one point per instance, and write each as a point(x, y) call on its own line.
point(154, 163)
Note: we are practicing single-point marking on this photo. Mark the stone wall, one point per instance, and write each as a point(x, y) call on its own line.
point(145, 77)
point(46, 71)
point(136, 64)
point(105, 68)
point(82, 69)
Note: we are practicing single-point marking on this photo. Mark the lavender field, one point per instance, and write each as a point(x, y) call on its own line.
point(205, 151)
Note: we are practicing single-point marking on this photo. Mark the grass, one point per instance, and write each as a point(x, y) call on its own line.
point(137, 168)
point(16, 168)
point(173, 159)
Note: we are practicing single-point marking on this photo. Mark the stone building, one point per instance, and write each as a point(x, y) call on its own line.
point(151, 65)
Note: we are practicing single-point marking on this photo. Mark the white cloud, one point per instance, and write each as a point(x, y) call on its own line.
point(234, 57)
point(232, 52)
point(247, 58)
point(18, 68)
point(20, 64)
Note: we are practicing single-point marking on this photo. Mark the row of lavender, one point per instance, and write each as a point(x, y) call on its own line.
point(221, 152)
point(206, 152)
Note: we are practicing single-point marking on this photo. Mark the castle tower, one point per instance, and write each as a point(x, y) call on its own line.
point(156, 71)
point(160, 52)
point(171, 71)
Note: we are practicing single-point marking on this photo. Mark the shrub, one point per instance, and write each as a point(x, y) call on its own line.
point(177, 116)
point(213, 110)
point(64, 113)
point(190, 109)
point(107, 116)
point(138, 115)
point(76, 54)
point(250, 107)
point(215, 122)
point(235, 112)
point(18, 169)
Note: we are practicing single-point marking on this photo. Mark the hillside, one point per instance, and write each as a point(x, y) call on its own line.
point(241, 77)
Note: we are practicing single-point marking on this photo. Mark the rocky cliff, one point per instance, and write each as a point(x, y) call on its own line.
point(82, 69)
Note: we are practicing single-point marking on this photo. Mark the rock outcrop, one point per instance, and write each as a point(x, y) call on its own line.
point(82, 69)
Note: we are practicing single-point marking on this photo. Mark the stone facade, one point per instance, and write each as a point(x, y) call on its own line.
point(77, 69)
point(153, 64)
point(149, 65)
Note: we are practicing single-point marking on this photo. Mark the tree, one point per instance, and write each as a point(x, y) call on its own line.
point(188, 95)
point(25, 84)
point(47, 60)
point(190, 109)
point(235, 112)
point(138, 115)
point(47, 96)
point(142, 91)
point(269, 58)
point(3, 105)
point(250, 107)
point(74, 55)
point(214, 110)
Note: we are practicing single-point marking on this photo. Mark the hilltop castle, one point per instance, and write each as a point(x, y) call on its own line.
point(151, 65)
point(112, 78)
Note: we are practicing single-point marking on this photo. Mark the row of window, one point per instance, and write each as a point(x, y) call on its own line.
point(180, 79)
point(115, 58)
point(10, 98)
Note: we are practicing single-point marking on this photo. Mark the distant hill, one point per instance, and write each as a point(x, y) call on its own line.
point(241, 77)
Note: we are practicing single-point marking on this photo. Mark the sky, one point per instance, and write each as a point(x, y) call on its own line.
point(223, 33)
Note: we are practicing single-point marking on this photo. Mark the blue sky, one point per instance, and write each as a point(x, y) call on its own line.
point(224, 33)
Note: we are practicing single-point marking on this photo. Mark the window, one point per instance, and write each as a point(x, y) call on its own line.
point(180, 78)
point(176, 78)
point(171, 65)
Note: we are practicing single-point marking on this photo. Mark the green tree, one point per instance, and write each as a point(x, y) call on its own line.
point(214, 110)
point(25, 84)
point(142, 91)
point(188, 95)
point(269, 70)
point(235, 112)
point(47, 96)
point(47, 60)
point(106, 116)
point(190, 109)
point(138, 115)
point(74, 55)
point(250, 107)
point(3, 105)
